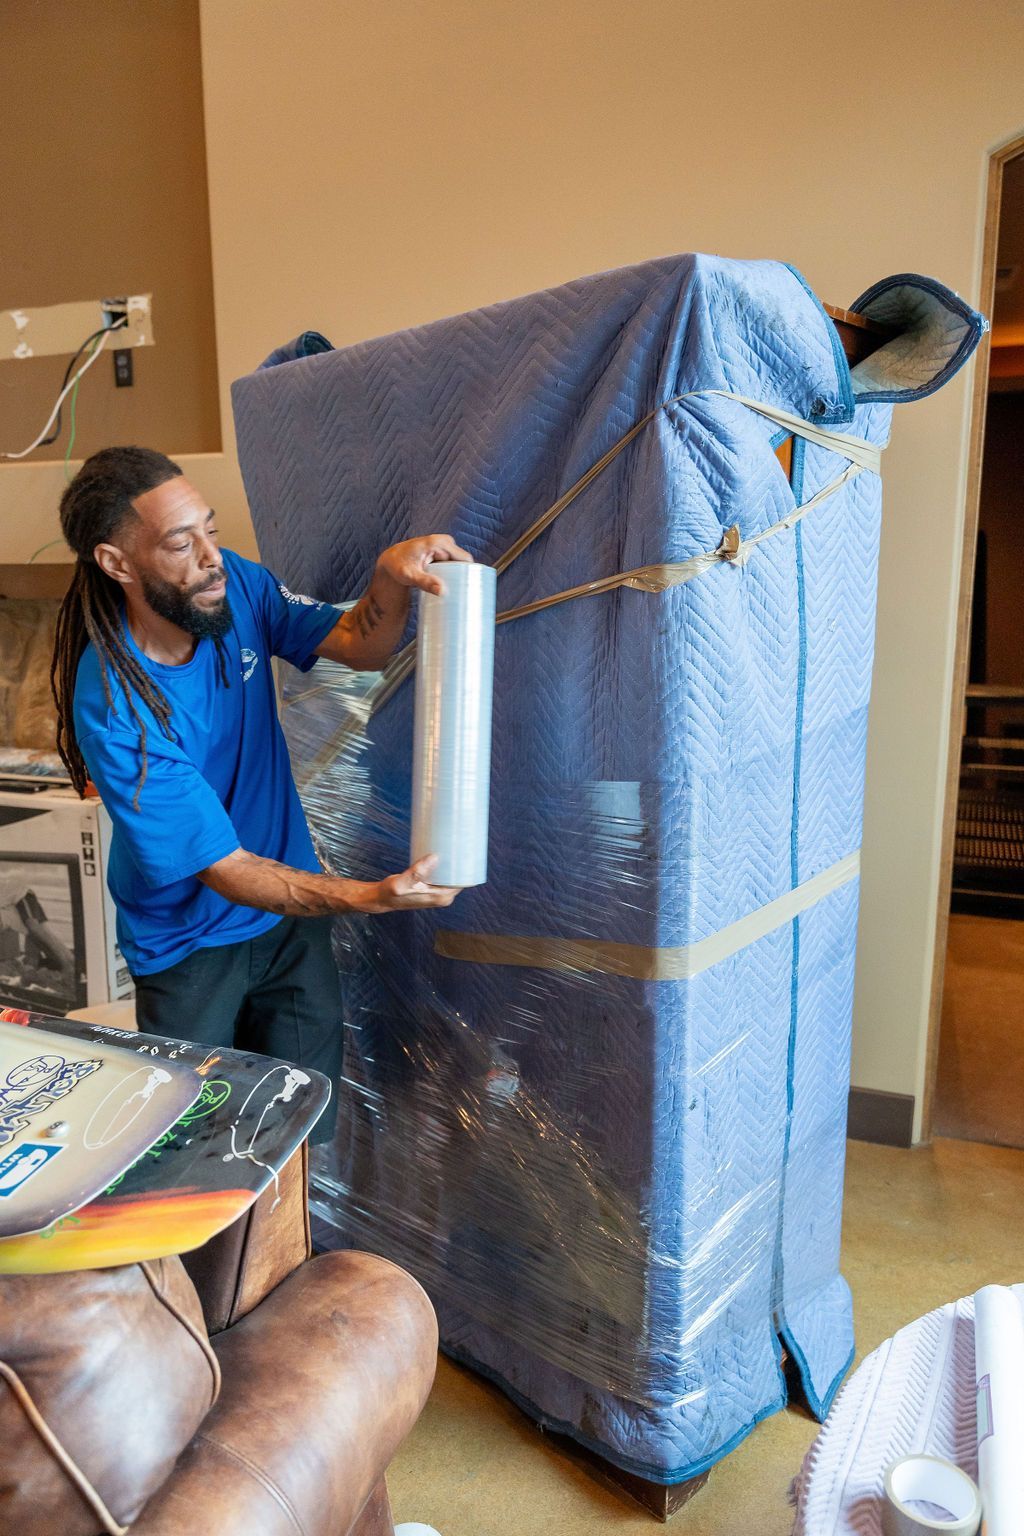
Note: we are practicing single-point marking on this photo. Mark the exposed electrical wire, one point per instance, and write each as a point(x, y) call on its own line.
point(67, 374)
point(71, 434)
point(37, 443)
point(74, 408)
point(43, 548)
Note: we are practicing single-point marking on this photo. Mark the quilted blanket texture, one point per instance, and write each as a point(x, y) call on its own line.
point(599, 1106)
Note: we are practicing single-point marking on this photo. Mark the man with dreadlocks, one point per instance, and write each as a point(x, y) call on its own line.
point(165, 699)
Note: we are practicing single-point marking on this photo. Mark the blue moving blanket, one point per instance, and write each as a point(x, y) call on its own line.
point(598, 1107)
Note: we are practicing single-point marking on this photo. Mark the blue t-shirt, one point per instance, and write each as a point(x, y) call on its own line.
point(223, 782)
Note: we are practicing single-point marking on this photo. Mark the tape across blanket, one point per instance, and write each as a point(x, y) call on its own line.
point(660, 578)
point(678, 963)
point(862, 454)
point(638, 961)
point(643, 963)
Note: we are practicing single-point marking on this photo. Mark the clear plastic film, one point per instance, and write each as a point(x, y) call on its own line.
point(579, 1162)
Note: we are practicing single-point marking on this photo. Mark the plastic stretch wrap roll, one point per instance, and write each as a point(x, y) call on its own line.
point(999, 1367)
point(452, 735)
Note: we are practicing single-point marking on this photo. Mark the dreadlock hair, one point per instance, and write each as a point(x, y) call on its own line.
point(94, 508)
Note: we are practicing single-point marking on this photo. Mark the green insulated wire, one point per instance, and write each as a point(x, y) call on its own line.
point(74, 424)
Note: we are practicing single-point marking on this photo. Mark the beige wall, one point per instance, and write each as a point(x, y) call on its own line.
point(374, 166)
point(103, 192)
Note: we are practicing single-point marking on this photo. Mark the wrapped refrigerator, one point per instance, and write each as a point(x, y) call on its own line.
point(598, 1106)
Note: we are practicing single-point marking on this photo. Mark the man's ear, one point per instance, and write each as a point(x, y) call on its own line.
point(113, 562)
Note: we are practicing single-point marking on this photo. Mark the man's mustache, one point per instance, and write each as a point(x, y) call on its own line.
point(213, 582)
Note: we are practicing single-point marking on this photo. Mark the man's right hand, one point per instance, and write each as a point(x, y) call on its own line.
point(408, 892)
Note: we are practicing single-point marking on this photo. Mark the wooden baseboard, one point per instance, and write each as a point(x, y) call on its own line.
point(885, 1118)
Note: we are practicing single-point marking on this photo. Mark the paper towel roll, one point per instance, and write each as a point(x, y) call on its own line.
point(452, 735)
point(999, 1372)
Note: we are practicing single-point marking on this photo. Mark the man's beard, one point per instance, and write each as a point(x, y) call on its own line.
point(180, 608)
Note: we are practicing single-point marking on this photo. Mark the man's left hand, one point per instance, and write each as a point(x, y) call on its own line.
point(410, 563)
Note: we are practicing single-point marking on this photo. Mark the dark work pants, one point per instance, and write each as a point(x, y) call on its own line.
point(277, 994)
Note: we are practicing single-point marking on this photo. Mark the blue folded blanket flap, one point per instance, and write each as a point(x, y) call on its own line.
point(615, 1186)
point(308, 344)
point(936, 334)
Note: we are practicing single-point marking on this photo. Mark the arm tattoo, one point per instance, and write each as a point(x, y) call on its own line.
point(368, 614)
point(250, 880)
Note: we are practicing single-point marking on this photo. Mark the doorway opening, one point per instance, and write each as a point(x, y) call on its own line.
point(979, 1067)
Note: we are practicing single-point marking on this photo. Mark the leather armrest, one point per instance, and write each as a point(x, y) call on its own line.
point(107, 1376)
point(321, 1384)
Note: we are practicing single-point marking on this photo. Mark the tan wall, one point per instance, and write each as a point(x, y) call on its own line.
point(103, 192)
point(371, 167)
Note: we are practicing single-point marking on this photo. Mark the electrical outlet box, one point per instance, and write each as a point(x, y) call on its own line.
point(123, 377)
point(60, 329)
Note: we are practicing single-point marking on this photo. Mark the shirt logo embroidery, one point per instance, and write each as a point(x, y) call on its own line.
point(249, 663)
point(297, 597)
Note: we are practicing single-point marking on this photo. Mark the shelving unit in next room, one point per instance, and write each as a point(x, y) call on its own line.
point(988, 861)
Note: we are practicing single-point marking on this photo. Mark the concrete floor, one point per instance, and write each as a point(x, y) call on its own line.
point(921, 1228)
point(979, 1092)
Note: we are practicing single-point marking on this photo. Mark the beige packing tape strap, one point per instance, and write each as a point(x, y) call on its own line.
point(861, 453)
point(868, 455)
point(857, 449)
point(734, 549)
point(639, 961)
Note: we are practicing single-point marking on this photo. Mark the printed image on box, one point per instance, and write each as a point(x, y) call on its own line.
point(42, 933)
point(18, 1165)
point(58, 943)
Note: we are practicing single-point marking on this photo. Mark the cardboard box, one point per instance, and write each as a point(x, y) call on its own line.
point(58, 945)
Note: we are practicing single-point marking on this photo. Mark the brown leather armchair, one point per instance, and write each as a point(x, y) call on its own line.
point(119, 1413)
